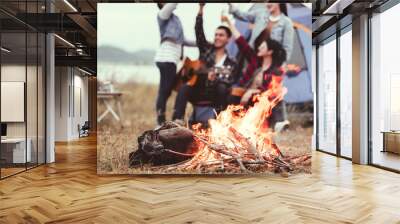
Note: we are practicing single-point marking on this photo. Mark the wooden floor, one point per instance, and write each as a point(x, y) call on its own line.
point(5, 172)
point(386, 159)
point(69, 191)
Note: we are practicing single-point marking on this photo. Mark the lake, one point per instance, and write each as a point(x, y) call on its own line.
point(128, 73)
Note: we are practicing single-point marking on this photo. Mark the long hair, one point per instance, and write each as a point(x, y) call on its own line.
point(265, 34)
point(283, 8)
point(278, 52)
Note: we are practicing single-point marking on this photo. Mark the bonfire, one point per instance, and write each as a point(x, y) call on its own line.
point(239, 140)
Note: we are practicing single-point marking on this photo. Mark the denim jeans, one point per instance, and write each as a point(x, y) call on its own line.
point(185, 94)
point(167, 82)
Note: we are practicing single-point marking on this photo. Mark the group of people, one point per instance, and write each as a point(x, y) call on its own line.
point(265, 51)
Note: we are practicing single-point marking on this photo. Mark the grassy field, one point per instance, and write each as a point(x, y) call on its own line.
point(117, 139)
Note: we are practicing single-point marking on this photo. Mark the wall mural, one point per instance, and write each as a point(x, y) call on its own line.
point(211, 88)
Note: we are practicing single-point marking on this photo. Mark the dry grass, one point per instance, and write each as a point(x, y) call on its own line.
point(115, 143)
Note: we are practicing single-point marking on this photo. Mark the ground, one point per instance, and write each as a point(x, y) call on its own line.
point(116, 140)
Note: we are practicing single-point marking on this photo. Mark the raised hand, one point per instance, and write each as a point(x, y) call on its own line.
point(231, 26)
point(231, 7)
point(212, 76)
point(225, 18)
point(201, 8)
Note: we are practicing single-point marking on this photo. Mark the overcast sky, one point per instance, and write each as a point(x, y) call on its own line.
point(133, 26)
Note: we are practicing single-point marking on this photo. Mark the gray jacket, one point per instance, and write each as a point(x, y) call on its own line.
point(170, 26)
point(258, 15)
point(283, 31)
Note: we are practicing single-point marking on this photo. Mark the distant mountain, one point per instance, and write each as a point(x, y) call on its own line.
point(118, 55)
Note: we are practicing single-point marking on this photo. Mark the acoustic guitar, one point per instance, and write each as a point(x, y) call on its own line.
point(187, 72)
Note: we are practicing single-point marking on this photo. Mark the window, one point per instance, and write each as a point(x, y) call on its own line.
point(22, 75)
point(346, 94)
point(385, 89)
point(327, 96)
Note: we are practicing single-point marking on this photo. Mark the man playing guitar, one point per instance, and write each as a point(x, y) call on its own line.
point(215, 73)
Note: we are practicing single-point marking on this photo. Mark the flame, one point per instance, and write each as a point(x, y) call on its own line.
point(243, 131)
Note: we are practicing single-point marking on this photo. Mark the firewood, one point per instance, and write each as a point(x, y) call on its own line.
point(238, 154)
point(179, 153)
point(245, 142)
point(222, 149)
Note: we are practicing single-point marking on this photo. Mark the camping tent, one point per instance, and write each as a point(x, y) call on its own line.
point(299, 85)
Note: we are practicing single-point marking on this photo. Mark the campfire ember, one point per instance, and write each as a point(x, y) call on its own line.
point(239, 140)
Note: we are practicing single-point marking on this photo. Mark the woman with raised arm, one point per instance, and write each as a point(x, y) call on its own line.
point(271, 18)
point(263, 65)
point(168, 54)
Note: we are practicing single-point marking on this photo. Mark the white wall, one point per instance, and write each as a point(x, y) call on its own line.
point(80, 94)
point(62, 81)
point(12, 73)
point(33, 126)
point(70, 84)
